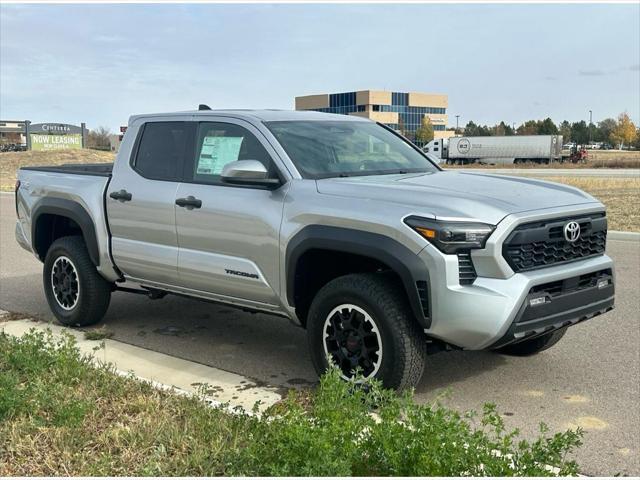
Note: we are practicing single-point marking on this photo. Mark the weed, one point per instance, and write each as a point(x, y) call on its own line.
point(98, 333)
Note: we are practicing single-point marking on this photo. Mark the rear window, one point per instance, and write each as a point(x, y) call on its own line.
point(162, 149)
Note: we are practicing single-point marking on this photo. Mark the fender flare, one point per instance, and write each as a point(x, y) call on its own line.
point(405, 263)
point(70, 209)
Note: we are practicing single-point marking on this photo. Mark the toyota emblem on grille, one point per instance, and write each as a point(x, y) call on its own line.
point(572, 231)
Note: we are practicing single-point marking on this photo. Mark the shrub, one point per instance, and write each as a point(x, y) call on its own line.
point(368, 431)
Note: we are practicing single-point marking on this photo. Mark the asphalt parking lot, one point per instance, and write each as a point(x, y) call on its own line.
point(590, 379)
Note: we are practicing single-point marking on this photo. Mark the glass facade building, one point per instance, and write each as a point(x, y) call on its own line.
point(401, 111)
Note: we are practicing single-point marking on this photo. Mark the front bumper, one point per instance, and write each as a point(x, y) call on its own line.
point(493, 311)
point(556, 305)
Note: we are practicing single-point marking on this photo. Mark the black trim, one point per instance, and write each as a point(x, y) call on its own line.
point(106, 221)
point(567, 302)
point(91, 169)
point(406, 264)
point(68, 209)
point(466, 270)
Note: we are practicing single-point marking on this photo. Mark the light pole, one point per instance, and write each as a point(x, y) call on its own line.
point(590, 122)
point(457, 117)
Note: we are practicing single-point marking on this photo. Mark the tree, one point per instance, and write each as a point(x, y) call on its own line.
point(424, 133)
point(565, 131)
point(471, 129)
point(99, 138)
point(401, 128)
point(530, 127)
point(580, 132)
point(625, 131)
point(604, 130)
point(502, 129)
point(484, 131)
point(547, 127)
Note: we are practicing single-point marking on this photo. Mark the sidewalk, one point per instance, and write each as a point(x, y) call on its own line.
point(163, 370)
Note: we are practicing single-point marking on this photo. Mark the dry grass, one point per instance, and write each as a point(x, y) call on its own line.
point(99, 333)
point(620, 195)
point(595, 159)
point(614, 158)
point(10, 162)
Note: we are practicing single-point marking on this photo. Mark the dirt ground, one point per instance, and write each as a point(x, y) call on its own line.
point(10, 162)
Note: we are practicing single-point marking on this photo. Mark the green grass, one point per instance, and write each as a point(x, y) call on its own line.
point(61, 415)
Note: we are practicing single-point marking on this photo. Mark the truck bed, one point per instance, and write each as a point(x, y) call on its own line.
point(96, 169)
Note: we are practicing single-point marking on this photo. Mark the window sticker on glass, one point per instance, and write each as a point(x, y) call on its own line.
point(216, 152)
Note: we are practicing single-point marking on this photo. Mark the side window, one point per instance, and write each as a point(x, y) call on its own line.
point(218, 144)
point(162, 149)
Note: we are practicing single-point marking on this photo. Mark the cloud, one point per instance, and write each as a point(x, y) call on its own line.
point(635, 68)
point(550, 78)
point(592, 73)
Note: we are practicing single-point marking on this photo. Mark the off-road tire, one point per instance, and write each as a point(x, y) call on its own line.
point(533, 346)
point(404, 346)
point(94, 292)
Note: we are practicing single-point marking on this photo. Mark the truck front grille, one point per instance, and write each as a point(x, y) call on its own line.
point(466, 270)
point(542, 244)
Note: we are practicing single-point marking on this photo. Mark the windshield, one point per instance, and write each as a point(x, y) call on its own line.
point(322, 149)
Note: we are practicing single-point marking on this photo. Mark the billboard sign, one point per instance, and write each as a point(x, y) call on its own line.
point(55, 136)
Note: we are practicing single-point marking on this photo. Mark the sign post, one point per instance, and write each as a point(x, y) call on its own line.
point(27, 125)
point(83, 126)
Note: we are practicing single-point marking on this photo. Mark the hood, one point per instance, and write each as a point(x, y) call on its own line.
point(483, 197)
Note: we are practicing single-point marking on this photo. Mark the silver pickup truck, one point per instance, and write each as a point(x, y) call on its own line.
point(335, 222)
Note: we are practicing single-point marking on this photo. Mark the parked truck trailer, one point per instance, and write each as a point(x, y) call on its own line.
point(496, 150)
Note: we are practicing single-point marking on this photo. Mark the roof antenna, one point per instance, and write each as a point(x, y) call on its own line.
point(202, 106)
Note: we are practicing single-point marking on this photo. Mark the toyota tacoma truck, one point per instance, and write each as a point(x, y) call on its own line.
point(335, 222)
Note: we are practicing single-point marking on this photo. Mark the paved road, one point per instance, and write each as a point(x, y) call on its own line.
point(590, 379)
point(561, 172)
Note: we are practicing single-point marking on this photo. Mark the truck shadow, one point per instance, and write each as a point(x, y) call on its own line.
point(444, 370)
point(262, 347)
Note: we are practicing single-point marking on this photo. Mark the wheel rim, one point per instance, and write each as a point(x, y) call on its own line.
point(65, 283)
point(352, 340)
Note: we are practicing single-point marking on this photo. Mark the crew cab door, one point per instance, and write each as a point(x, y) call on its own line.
point(140, 202)
point(228, 236)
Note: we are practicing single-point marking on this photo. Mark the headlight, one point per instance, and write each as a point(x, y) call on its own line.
point(451, 237)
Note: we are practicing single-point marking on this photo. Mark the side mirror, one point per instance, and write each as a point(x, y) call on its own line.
point(249, 173)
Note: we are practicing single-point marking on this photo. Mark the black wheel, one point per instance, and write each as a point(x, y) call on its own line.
point(533, 346)
point(76, 293)
point(363, 323)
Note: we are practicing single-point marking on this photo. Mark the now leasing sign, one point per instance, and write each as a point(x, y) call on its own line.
point(55, 142)
point(55, 136)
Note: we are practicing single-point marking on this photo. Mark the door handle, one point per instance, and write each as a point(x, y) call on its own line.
point(190, 202)
point(122, 196)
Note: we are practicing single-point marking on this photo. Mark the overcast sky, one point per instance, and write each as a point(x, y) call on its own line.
point(102, 63)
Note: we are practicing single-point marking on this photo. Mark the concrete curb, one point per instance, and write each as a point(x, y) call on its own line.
point(624, 236)
point(162, 371)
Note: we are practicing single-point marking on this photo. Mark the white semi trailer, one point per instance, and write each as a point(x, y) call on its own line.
point(496, 150)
